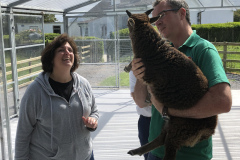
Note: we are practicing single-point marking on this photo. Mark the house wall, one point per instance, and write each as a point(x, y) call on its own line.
point(220, 16)
point(26, 26)
point(74, 29)
point(213, 16)
point(96, 27)
point(48, 27)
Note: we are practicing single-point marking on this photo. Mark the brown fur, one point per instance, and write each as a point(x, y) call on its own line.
point(175, 80)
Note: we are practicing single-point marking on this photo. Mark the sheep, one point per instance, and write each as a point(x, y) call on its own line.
point(175, 80)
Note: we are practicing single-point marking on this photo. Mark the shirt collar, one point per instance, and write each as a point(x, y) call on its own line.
point(192, 40)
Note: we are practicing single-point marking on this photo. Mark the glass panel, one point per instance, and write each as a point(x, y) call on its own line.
point(4, 103)
point(30, 67)
point(10, 97)
point(91, 27)
point(8, 66)
point(115, 5)
point(28, 30)
point(5, 21)
point(9, 75)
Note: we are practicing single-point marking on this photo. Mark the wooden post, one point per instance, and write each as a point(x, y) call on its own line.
point(80, 53)
point(30, 70)
point(225, 56)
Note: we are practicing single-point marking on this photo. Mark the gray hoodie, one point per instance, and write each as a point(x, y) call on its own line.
point(51, 128)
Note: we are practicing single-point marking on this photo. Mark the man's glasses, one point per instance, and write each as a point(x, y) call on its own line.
point(162, 14)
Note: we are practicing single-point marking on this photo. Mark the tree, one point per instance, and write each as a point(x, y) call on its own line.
point(237, 16)
point(50, 18)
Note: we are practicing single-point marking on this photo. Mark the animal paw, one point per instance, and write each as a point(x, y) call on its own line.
point(133, 152)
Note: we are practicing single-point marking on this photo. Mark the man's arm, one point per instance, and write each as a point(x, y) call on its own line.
point(217, 100)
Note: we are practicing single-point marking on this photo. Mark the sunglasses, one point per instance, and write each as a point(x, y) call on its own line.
point(162, 14)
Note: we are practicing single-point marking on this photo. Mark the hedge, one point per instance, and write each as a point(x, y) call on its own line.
point(220, 32)
point(229, 32)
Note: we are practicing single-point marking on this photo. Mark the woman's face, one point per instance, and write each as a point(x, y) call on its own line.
point(64, 58)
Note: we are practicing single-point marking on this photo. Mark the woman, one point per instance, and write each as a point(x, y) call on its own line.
point(58, 109)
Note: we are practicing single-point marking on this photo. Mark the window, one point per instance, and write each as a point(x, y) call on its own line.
point(199, 18)
point(57, 29)
point(104, 31)
point(86, 31)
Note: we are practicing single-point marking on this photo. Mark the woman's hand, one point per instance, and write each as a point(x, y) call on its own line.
point(90, 122)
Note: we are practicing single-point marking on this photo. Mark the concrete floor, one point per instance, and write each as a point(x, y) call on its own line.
point(117, 132)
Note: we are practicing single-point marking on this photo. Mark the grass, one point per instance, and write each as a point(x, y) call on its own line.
point(231, 57)
point(111, 81)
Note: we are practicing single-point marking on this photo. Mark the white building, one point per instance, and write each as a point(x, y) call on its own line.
point(54, 27)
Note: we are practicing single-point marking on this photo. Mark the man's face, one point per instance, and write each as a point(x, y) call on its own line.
point(167, 21)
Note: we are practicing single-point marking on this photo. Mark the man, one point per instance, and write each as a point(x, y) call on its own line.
point(174, 25)
point(144, 112)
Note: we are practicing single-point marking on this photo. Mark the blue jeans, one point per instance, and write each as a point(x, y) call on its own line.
point(92, 157)
point(143, 131)
point(152, 157)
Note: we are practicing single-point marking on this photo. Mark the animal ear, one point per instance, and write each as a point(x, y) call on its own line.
point(153, 19)
point(131, 22)
point(128, 13)
point(149, 11)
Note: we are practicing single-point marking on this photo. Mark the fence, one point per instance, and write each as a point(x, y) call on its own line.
point(229, 57)
point(85, 53)
point(27, 69)
point(31, 67)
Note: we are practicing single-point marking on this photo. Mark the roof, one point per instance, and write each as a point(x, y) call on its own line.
point(58, 6)
point(67, 6)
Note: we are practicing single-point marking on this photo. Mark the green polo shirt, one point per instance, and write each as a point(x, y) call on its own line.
point(206, 57)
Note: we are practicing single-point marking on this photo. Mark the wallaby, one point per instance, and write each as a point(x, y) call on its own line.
point(175, 80)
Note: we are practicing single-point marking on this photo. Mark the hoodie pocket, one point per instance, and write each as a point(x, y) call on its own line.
point(64, 152)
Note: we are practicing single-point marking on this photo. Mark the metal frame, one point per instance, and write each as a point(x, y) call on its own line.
point(5, 106)
point(67, 13)
point(7, 153)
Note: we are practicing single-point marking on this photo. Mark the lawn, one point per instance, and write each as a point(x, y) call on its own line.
point(231, 57)
point(111, 81)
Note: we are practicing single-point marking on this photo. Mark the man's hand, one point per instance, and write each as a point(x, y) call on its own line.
point(90, 122)
point(138, 68)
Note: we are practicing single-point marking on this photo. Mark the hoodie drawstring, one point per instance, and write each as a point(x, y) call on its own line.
point(51, 123)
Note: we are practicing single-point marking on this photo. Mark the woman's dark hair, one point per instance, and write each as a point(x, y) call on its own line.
point(48, 53)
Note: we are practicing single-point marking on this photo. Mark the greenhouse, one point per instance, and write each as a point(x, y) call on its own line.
point(99, 28)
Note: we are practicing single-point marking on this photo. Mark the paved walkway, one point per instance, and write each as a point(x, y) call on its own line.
point(117, 131)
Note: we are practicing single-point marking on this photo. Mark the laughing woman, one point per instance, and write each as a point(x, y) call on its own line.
point(58, 109)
